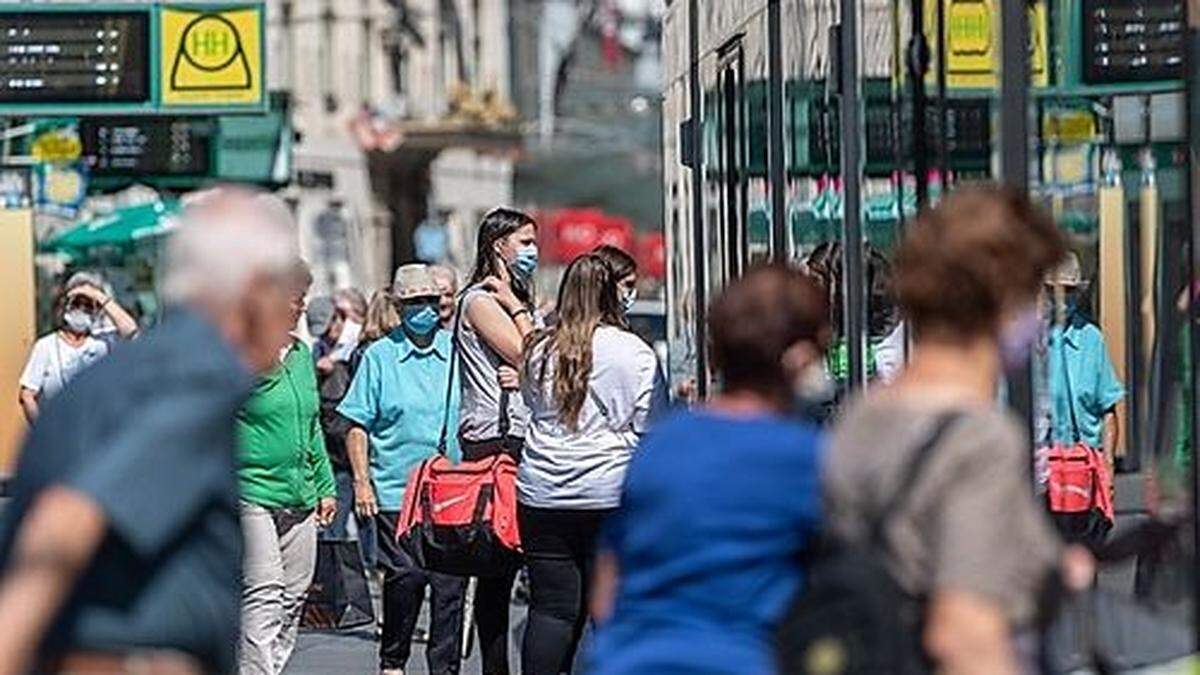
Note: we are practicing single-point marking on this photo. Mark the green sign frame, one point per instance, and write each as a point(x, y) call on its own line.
point(154, 104)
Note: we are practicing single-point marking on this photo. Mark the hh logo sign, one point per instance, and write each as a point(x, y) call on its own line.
point(212, 57)
point(973, 42)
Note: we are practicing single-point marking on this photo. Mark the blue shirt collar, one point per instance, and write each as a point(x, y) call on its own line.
point(1071, 332)
point(405, 347)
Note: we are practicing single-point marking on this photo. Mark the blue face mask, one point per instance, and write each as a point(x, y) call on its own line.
point(628, 299)
point(420, 319)
point(525, 264)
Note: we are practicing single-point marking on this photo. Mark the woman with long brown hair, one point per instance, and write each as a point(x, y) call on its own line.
point(495, 316)
point(591, 386)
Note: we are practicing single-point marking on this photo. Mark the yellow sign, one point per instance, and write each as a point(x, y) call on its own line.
point(973, 43)
point(60, 145)
point(212, 57)
point(1069, 126)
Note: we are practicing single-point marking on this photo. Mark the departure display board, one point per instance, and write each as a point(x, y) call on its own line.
point(1132, 40)
point(75, 57)
point(169, 146)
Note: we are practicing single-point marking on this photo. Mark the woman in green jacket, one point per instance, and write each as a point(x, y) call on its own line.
point(288, 492)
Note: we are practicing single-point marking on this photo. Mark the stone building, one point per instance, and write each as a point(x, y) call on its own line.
point(402, 119)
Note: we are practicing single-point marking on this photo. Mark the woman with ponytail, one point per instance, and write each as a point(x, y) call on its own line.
point(590, 386)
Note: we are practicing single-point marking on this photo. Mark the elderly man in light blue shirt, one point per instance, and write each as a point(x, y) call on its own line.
point(1083, 387)
point(398, 403)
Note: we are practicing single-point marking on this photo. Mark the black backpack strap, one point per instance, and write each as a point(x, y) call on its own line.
point(911, 474)
point(504, 421)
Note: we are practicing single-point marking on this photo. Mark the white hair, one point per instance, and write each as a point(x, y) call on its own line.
point(87, 278)
point(445, 271)
point(226, 238)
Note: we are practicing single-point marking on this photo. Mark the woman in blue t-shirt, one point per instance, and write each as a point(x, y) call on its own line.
point(701, 559)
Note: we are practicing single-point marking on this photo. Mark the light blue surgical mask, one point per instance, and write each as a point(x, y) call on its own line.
point(524, 264)
point(628, 299)
point(420, 319)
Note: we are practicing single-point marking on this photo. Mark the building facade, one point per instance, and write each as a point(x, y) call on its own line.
point(402, 120)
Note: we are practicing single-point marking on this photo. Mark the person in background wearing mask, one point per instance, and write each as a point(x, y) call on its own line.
point(120, 546)
point(352, 307)
point(396, 406)
point(113, 322)
point(497, 316)
point(625, 270)
point(61, 355)
point(288, 491)
point(337, 342)
point(591, 387)
point(447, 283)
point(721, 501)
point(969, 539)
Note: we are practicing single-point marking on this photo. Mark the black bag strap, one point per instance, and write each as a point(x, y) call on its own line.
point(454, 356)
point(455, 348)
point(911, 474)
point(504, 421)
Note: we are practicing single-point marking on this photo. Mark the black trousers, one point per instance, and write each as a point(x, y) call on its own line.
point(403, 592)
point(560, 549)
point(493, 594)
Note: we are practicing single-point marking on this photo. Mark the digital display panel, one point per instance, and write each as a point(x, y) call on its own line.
point(172, 146)
point(1132, 40)
point(75, 57)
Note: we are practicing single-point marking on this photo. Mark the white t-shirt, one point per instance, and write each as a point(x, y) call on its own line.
point(585, 468)
point(53, 363)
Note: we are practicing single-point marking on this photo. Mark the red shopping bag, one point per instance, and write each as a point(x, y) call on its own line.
point(462, 518)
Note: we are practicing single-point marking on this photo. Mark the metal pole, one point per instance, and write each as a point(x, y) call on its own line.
point(851, 164)
point(776, 156)
point(1014, 150)
point(699, 247)
point(943, 130)
point(918, 67)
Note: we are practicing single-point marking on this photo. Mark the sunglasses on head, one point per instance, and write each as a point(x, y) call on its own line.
point(85, 304)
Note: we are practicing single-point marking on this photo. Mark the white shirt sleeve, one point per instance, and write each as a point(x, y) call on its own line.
point(626, 381)
point(37, 367)
point(889, 354)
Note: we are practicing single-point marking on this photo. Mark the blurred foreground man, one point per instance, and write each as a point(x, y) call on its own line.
point(120, 550)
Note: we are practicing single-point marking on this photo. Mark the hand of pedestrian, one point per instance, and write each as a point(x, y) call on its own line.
point(503, 293)
point(90, 292)
point(364, 500)
point(326, 510)
point(509, 377)
point(1077, 568)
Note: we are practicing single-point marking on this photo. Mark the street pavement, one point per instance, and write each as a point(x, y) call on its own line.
point(356, 652)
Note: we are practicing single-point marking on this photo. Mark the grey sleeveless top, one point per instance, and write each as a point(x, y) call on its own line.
point(479, 417)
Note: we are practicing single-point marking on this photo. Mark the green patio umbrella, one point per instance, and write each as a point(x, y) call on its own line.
point(121, 228)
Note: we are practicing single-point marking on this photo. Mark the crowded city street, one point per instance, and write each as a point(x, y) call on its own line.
point(599, 337)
